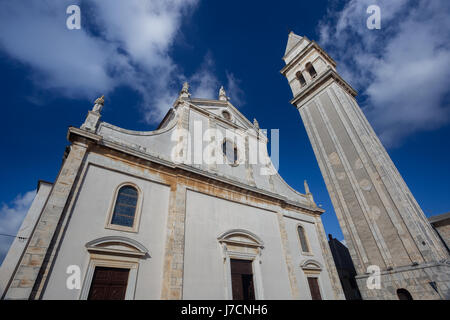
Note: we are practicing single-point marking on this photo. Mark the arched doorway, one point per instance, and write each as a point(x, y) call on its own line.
point(404, 294)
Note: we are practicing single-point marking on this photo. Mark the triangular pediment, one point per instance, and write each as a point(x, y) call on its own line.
point(225, 111)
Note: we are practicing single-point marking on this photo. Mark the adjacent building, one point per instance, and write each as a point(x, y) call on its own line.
point(345, 268)
point(441, 224)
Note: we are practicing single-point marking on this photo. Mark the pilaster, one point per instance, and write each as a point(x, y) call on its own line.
point(172, 287)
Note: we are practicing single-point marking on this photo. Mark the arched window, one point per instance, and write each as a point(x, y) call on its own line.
point(300, 78)
point(312, 72)
point(303, 240)
point(230, 151)
point(125, 206)
point(403, 294)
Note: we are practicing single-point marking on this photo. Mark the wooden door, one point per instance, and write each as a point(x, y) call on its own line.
point(314, 288)
point(109, 284)
point(242, 280)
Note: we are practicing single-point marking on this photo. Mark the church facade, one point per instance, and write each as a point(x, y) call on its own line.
point(140, 215)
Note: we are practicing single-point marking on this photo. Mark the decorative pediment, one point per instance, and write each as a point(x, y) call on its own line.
point(220, 109)
point(241, 237)
point(115, 245)
point(311, 265)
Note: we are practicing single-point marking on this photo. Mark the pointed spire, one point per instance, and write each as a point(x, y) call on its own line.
point(255, 123)
point(184, 93)
point(222, 94)
point(306, 187)
point(293, 39)
point(309, 195)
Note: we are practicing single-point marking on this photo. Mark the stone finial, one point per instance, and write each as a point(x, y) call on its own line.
point(222, 94)
point(93, 117)
point(98, 104)
point(100, 100)
point(309, 194)
point(255, 123)
point(306, 187)
point(184, 93)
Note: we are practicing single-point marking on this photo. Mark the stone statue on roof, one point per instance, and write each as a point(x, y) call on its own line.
point(98, 104)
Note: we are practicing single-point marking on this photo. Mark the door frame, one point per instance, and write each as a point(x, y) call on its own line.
point(319, 283)
point(241, 245)
point(256, 270)
point(111, 262)
point(113, 252)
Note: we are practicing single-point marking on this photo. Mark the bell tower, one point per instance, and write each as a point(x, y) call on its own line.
point(382, 223)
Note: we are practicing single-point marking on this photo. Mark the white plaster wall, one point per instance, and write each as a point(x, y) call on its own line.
point(206, 218)
point(88, 222)
point(298, 257)
point(158, 143)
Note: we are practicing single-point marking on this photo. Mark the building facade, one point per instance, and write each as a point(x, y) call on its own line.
point(140, 215)
point(383, 225)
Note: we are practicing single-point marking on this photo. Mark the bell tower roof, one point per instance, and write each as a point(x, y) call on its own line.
point(295, 45)
point(293, 40)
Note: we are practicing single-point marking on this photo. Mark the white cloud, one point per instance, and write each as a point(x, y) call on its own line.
point(234, 90)
point(119, 43)
point(11, 217)
point(401, 70)
point(204, 83)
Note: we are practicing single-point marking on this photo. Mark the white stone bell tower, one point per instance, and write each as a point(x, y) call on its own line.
point(382, 223)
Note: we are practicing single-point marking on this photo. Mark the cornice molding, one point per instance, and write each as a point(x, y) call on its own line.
point(312, 87)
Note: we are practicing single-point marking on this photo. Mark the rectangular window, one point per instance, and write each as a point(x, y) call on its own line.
point(109, 284)
point(242, 280)
point(303, 240)
point(314, 288)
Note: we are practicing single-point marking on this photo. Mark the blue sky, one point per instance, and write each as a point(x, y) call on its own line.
point(138, 53)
